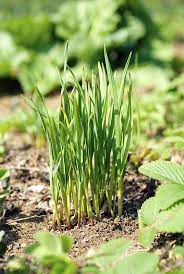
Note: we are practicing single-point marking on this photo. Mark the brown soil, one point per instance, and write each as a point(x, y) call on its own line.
point(29, 205)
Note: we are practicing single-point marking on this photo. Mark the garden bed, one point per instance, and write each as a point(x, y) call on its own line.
point(28, 206)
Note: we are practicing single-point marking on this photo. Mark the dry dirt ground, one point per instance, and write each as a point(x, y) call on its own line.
point(28, 207)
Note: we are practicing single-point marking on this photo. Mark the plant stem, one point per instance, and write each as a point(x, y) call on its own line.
point(120, 197)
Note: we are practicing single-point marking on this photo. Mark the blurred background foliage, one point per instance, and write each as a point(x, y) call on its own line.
point(33, 35)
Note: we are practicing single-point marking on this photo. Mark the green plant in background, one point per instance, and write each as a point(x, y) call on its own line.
point(165, 211)
point(33, 36)
point(160, 133)
point(37, 50)
point(88, 144)
point(24, 121)
point(93, 26)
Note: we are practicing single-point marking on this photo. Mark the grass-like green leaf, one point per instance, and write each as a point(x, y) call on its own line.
point(3, 195)
point(89, 139)
point(4, 173)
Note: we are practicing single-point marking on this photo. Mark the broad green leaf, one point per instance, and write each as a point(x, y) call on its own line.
point(139, 263)
point(51, 251)
point(108, 252)
point(168, 194)
point(171, 220)
point(164, 171)
point(148, 211)
point(146, 236)
point(59, 267)
point(92, 269)
point(52, 244)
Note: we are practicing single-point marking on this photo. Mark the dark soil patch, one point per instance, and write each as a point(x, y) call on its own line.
point(9, 84)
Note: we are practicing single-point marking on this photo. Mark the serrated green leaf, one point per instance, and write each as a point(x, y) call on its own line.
point(149, 211)
point(146, 236)
point(168, 194)
point(51, 251)
point(52, 244)
point(171, 221)
point(108, 252)
point(161, 213)
point(139, 263)
point(164, 170)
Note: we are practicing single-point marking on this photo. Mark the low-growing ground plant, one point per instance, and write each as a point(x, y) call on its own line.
point(88, 143)
point(165, 211)
point(50, 255)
